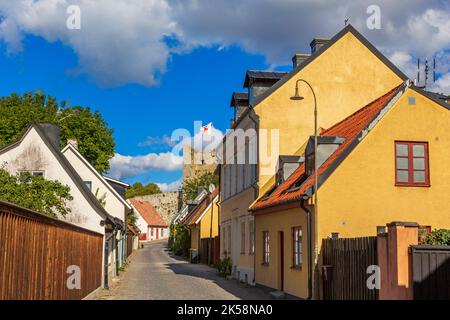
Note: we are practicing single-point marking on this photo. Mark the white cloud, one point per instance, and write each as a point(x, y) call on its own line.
point(119, 41)
point(163, 141)
point(172, 186)
point(129, 166)
point(442, 85)
point(206, 141)
point(122, 41)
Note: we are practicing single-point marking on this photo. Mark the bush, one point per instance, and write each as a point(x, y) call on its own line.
point(438, 237)
point(179, 240)
point(224, 266)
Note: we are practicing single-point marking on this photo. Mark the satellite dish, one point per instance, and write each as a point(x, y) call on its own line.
point(211, 188)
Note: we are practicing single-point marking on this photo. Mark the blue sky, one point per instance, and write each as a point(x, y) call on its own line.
point(196, 87)
point(150, 67)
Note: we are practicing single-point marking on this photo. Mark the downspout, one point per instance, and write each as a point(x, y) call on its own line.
point(309, 241)
point(255, 185)
point(105, 262)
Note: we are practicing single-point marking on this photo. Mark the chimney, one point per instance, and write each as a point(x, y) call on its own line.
point(52, 132)
point(298, 58)
point(317, 43)
point(73, 142)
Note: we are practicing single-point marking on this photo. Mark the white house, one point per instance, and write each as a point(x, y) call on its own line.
point(107, 195)
point(151, 224)
point(37, 152)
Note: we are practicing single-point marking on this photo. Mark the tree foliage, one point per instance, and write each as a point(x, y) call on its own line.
point(179, 240)
point(438, 237)
point(140, 190)
point(95, 141)
point(35, 193)
point(192, 185)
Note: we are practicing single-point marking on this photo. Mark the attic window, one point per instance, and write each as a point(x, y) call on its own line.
point(310, 164)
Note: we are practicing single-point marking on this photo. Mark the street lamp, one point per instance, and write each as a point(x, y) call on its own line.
point(298, 97)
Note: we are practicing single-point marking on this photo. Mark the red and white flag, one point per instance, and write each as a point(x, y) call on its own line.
point(206, 129)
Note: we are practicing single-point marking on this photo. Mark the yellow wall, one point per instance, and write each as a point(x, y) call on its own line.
point(295, 281)
point(205, 222)
point(232, 210)
point(345, 77)
point(194, 236)
point(361, 193)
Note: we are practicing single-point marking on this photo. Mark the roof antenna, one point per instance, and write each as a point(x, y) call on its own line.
point(418, 71)
point(427, 69)
point(346, 21)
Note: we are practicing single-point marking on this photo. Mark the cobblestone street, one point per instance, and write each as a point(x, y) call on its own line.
point(155, 274)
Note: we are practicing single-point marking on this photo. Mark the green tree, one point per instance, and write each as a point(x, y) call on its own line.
point(95, 141)
point(192, 185)
point(35, 193)
point(140, 190)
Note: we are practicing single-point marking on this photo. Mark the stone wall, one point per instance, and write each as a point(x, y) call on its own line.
point(166, 203)
point(196, 163)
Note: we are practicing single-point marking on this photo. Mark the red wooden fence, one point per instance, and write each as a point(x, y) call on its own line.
point(35, 252)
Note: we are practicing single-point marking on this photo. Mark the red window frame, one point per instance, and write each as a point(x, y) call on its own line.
point(410, 170)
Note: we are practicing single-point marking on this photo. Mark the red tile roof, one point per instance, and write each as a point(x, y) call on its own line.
point(197, 212)
point(349, 128)
point(149, 213)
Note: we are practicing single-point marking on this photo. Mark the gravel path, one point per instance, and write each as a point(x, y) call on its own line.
point(153, 274)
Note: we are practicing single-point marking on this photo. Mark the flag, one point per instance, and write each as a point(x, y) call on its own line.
point(206, 129)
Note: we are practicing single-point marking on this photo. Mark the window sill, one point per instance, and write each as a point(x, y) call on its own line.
point(242, 253)
point(299, 268)
point(408, 185)
point(265, 264)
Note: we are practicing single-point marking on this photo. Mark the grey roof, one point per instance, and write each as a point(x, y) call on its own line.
point(65, 163)
point(267, 76)
point(239, 99)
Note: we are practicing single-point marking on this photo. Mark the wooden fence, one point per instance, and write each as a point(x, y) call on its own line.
point(345, 264)
point(36, 251)
point(431, 272)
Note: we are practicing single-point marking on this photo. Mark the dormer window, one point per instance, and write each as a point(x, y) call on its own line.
point(326, 146)
point(286, 166)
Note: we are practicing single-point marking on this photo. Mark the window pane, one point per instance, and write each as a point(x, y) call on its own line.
point(419, 150)
point(401, 149)
point(402, 163)
point(419, 164)
point(419, 176)
point(402, 176)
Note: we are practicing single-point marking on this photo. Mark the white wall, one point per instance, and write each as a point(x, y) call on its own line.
point(157, 231)
point(33, 154)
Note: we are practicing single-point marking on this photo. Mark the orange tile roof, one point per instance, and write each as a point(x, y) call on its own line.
point(196, 213)
point(149, 213)
point(350, 129)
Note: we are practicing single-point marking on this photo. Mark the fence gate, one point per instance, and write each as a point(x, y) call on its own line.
point(431, 272)
point(345, 263)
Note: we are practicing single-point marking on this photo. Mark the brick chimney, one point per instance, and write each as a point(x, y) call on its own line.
point(317, 43)
point(298, 58)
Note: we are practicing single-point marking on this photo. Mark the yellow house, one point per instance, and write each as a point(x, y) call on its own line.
point(386, 162)
point(203, 223)
point(346, 73)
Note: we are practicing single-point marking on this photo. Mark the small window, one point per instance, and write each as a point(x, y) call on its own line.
point(151, 231)
point(251, 227)
point(411, 164)
point(266, 247)
point(243, 237)
point(88, 184)
point(162, 232)
point(297, 247)
point(32, 173)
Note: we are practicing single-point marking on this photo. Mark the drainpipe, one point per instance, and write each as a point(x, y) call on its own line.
point(105, 262)
point(309, 241)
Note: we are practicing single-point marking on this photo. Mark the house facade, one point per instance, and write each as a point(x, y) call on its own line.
point(346, 72)
point(386, 162)
point(203, 224)
point(149, 222)
point(108, 196)
point(38, 153)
